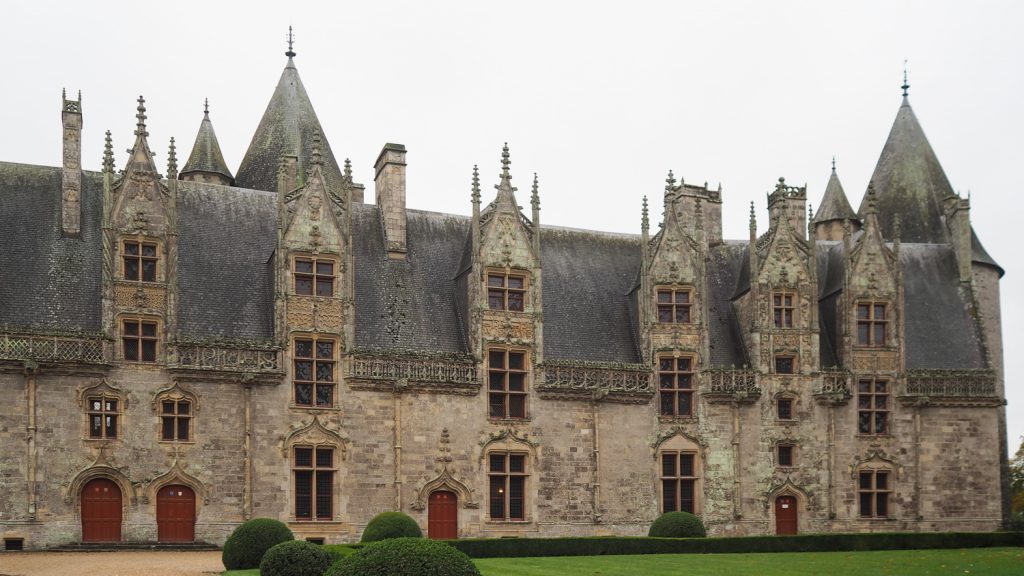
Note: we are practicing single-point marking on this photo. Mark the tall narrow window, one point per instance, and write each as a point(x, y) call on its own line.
point(313, 468)
point(506, 291)
point(674, 305)
point(175, 420)
point(675, 385)
point(872, 407)
point(140, 261)
point(139, 339)
point(314, 276)
point(872, 319)
point(506, 382)
point(103, 414)
point(873, 491)
point(783, 307)
point(314, 372)
point(506, 474)
point(678, 482)
point(784, 454)
point(784, 408)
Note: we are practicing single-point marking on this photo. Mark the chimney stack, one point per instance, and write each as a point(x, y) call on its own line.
point(389, 186)
point(71, 187)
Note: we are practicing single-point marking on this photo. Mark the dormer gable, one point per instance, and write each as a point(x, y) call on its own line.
point(314, 216)
point(506, 234)
point(141, 202)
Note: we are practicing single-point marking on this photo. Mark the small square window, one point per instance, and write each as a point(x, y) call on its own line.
point(785, 455)
point(785, 364)
point(784, 408)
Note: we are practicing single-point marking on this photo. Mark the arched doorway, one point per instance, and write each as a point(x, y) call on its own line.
point(443, 515)
point(101, 511)
point(785, 515)
point(176, 514)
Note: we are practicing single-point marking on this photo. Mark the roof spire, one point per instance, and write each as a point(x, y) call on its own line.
point(140, 116)
point(905, 86)
point(535, 196)
point(291, 41)
point(645, 222)
point(753, 217)
point(833, 164)
point(475, 196)
point(172, 161)
point(505, 161)
point(206, 106)
point(108, 153)
point(670, 182)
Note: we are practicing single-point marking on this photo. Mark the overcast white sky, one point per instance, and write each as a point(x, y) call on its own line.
point(599, 98)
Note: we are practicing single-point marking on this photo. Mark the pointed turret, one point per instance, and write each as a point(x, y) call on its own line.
point(909, 181)
point(287, 128)
point(833, 211)
point(206, 163)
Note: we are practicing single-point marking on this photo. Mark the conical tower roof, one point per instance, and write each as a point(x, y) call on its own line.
point(287, 128)
point(909, 181)
point(834, 205)
point(206, 155)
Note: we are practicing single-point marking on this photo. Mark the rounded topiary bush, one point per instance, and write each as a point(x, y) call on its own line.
point(391, 525)
point(405, 557)
point(677, 525)
point(295, 558)
point(250, 541)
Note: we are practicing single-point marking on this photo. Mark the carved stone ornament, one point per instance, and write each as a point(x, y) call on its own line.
point(100, 467)
point(509, 436)
point(445, 480)
point(507, 326)
point(672, 433)
point(783, 488)
point(316, 434)
point(175, 392)
point(177, 474)
point(875, 457)
point(103, 388)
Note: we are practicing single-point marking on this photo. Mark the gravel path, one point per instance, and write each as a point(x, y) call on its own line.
point(128, 563)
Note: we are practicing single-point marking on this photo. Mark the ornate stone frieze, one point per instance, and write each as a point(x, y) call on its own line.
point(315, 314)
point(586, 381)
point(507, 326)
point(730, 386)
point(223, 357)
point(951, 384)
point(139, 296)
point(833, 388)
point(88, 349)
point(436, 375)
point(875, 361)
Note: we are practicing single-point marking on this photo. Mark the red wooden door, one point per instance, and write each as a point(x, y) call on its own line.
point(176, 514)
point(101, 511)
point(442, 516)
point(785, 515)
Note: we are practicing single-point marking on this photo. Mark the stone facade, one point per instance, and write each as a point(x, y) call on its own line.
point(802, 362)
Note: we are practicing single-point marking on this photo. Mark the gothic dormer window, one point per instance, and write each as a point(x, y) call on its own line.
point(314, 276)
point(872, 320)
point(783, 306)
point(674, 305)
point(506, 290)
point(140, 260)
point(139, 338)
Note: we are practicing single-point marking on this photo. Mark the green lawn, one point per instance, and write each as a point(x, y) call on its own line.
point(983, 561)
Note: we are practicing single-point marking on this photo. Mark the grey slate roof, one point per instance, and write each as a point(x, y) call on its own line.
point(48, 282)
point(287, 127)
point(226, 238)
point(724, 266)
point(834, 204)
point(206, 155)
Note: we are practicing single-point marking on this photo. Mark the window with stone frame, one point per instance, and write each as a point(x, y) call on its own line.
point(679, 481)
point(139, 338)
point(874, 488)
point(676, 385)
point(507, 375)
point(783, 308)
point(104, 414)
point(175, 420)
point(314, 371)
point(313, 472)
point(785, 455)
point(506, 290)
point(314, 276)
point(872, 323)
point(784, 408)
point(873, 401)
point(139, 260)
point(674, 305)
point(507, 476)
point(785, 364)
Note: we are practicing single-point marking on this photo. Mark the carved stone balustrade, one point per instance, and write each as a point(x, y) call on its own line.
point(626, 383)
point(222, 357)
point(736, 385)
point(86, 349)
point(833, 388)
point(452, 376)
point(951, 387)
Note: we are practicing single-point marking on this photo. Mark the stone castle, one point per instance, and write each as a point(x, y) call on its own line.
point(187, 350)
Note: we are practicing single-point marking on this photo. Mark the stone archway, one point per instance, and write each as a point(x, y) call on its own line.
point(101, 507)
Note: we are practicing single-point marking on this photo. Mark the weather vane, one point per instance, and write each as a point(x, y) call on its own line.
point(291, 41)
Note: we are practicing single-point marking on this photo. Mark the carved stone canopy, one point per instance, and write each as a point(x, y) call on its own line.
point(316, 434)
point(177, 474)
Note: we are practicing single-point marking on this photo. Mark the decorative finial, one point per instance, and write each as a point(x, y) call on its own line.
point(348, 170)
point(172, 160)
point(833, 164)
point(206, 106)
point(317, 160)
point(670, 182)
point(810, 219)
point(475, 196)
point(291, 41)
point(108, 154)
point(645, 222)
point(871, 196)
point(905, 86)
point(64, 93)
point(140, 116)
point(505, 161)
point(753, 217)
point(699, 214)
point(535, 196)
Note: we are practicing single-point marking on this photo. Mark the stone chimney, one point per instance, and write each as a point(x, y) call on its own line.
point(71, 188)
point(389, 187)
point(790, 203)
point(958, 221)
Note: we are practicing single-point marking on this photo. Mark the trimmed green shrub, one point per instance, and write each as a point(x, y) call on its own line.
point(1017, 522)
point(295, 558)
point(339, 551)
point(391, 525)
point(597, 546)
point(250, 541)
point(677, 525)
point(405, 557)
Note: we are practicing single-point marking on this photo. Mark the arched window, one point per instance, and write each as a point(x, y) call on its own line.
point(176, 409)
